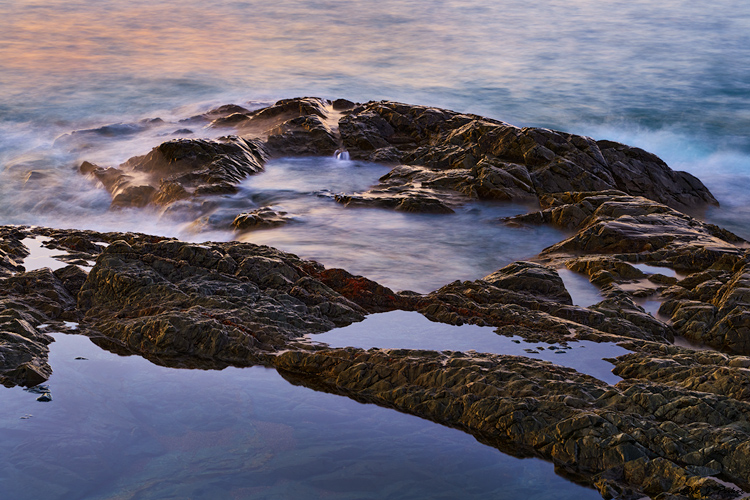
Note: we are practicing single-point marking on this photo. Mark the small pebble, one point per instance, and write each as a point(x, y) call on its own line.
point(81, 357)
point(559, 352)
point(517, 341)
point(45, 397)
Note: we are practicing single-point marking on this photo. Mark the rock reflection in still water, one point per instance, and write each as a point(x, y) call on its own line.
point(411, 330)
point(122, 427)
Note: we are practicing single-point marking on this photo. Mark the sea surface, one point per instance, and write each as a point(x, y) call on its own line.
point(671, 77)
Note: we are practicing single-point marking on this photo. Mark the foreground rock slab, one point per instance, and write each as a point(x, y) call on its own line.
point(634, 439)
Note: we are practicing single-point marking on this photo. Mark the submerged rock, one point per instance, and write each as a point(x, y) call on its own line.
point(261, 218)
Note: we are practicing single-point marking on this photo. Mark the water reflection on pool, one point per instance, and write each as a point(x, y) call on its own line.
point(411, 330)
point(120, 427)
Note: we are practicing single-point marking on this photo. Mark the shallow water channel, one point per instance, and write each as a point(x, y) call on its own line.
point(411, 330)
point(121, 427)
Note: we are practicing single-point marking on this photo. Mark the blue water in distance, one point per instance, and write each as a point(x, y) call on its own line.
point(672, 77)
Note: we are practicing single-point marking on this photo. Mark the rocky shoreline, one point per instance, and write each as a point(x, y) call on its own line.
point(675, 427)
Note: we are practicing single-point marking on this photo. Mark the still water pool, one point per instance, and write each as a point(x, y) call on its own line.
point(121, 427)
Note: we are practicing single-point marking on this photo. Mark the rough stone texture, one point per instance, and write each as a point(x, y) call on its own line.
point(490, 159)
point(180, 169)
point(713, 307)
point(262, 218)
point(226, 302)
point(677, 420)
point(290, 127)
point(409, 199)
point(634, 229)
point(636, 438)
point(27, 300)
point(710, 306)
point(526, 299)
point(23, 348)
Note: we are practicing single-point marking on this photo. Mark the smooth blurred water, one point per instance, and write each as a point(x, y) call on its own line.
point(672, 77)
point(419, 252)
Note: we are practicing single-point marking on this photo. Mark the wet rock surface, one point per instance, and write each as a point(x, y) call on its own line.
point(676, 426)
point(489, 159)
point(262, 218)
point(530, 300)
point(230, 303)
point(708, 305)
point(633, 439)
point(442, 158)
point(28, 300)
point(180, 169)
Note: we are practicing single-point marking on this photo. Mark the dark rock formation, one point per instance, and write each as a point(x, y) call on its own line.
point(27, 300)
point(180, 169)
point(678, 419)
point(261, 218)
point(649, 231)
point(639, 437)
point(403, 200)
point(676, 423)
point(23, 348)
point(290, 127)
point(709, 306)
point(713, 307)
point(490, 159)
point(232, 302)
point(526, 299)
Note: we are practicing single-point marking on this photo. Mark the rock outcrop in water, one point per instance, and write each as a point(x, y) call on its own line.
point(490, 159)
point(708, 306)
point(180, 169)
point(677, 425)
point(443, 158)
point(229, 303)
point(27, 301)
point(678, 419)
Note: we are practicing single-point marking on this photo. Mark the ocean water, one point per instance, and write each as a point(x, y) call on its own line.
point(672, 77)
point(414, 331)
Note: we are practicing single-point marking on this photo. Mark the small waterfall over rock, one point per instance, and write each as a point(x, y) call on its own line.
point(341, 154)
